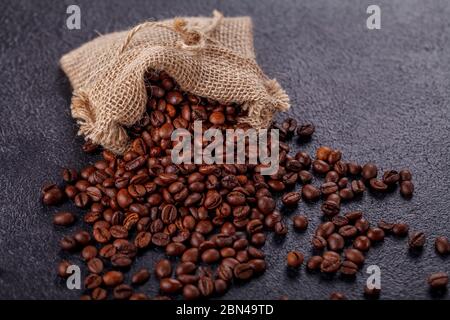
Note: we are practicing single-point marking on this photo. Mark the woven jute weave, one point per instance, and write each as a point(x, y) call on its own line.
point(209, 57)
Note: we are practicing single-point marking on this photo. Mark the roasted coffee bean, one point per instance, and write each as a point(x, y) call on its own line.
point(328, 188)
point(323, 152)
point(378, 185)
point(320, 166)
point(191, 292)
point(375, 234)
point(122, 292)
point(52, 195)
point(337, 296)
point(405, 175)
point(82, 237)
point(113, 278)
point(305, 131)
point(123, 198)
point(280, 229)
point(406, 189)
point(335, 242)
point(266, 205)
point(310, 193)
point(101, 235)
point(400, 229)
point(362, 243)
point(318, 243)
point(358, 187)
point(417, 240)
point(348, 231)
point(332, 176)
point(294, 165)
point(330, 208)
point(346, 194)
point(143, 239)
point(210, 256)
point(391, 177)
point(353, 215)
point(385, 226)
point(300, 222)
point(62, 268)
point(95, 265)
point(291, 198)
point(290, 125)
point(330, 264)
point(170, 286)
point(341, 168)
point(190, 255)
point(325, 229)
point(305, 177)
point(294, 259)
point(99, 294)
point(163, 269)
point(81, 200)
point(354, 168)
point(89, 252)
point(339, 221)
point(343, 182)
point(68, 243)
point(160, 239)
point(92, 281)
point(243, 271)
point(334, 156)
point(118, 232)
point(348, 268)
point(107, 251)
point(121, 260)
point(354, 256)
point(314, 262)
point(442, 245)
point(63, 218)
point(69, 175)
point(438, 280)
point(362, 225)
point(206, 286)
point(369, 171)
point(141, 276)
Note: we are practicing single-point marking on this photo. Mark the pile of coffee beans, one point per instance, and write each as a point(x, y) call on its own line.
point(210, 220)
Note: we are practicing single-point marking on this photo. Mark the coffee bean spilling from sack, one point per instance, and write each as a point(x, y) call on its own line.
point(211, 217)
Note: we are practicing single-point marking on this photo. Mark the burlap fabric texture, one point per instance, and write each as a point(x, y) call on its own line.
point(208, 57)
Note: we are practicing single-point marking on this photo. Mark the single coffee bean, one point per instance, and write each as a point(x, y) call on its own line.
point(348, 268)
point(375, 234)
point(68, 243)
point(143, 240)
point(95, 265)
point(417, 240)
point(354, 168)
point(266, 205)
point(362, 243)
point(405, 175)
point(337, 296)
point(160, 239)
point(362, 225)
point(191, 292)
point(291, 198)
point(210, 256)
point(101, 235)
point(369, 171)
point(170, 286)
point(52, 195)
point(122, 292)
point(400, 229)
point(438, 280)
point(300, 222)
point(328, 188)
point(99, 294)
point(141, 276)
point(92, 281)
point(113, 278)
point(442, 245)
point(358, 186)
point(348, 231)
point(406, 189)
point(62, 268)
point(163, 269)
point(89, 252)
point(305, 177)
point(323, 153)
point(318, 243)
point(121, 260)
point(341, 168)
point(386, 226)
point(305, 131)
point(332, 176)
point(330, 264)
point(294, 259)
point(206, 286)
point(334, 156)
point(339, 221)
point(310, 193)
point(320, 166)
point(118, 232)
point(353, 215)
point(63, 218)
point(377, 185)
point(330, 208)
point(280, 229)
point(243, 271)
point(354, 256)
point(335, 242)
point(391, 177)
point(314, 262)
point(107, 251)
point(325, 229)
point(82, 200)
point(346, 194)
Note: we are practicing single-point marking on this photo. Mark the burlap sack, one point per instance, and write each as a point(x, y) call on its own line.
point(209, 57)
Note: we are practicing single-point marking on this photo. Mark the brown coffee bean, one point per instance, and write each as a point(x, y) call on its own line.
point(378, 185)
point(294, 259)
point(305, 131)
point(328, 188)
point(118, 232)
point(310, 193)
point(122, 292)
point(320, 166)
point(358, 186)
point(354, 168)
point(348, 231)
point(400, 229)
point(52, 195)
point(335, 242)
point(266, 205)
point(206, 286)
point(141, 276)
point(92, 281)
point(163, 269)
point(191, 292)
point(101, 235)
point(143, 240)
point(348, 268)
point(391, 177)
point(369, 171)
point(243, 271)
point(354, 256)
point(375, 234)
point(339, 221)
point(62, 269)
point(89, 252)
point(323, 153)
point(314, 262)
point(362, 243)
point(107, 251)
point(291, 198)
point(353, 215)
point(405, 175)
point(300, 222)
point(406, 189)
point(330, 264)
point(113, 278)
point(99, 294)
point(95, 265)
point(160, 239)
point(170, 286)
point(68, 243)
point(63, 218)
point(386, 226)
point(438, 280)
point(417, 240)
point(318, 243)
point(442, 245)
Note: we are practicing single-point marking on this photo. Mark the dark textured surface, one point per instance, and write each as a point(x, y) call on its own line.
point(377, 95)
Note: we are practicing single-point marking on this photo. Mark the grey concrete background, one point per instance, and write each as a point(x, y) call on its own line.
point(378, 95)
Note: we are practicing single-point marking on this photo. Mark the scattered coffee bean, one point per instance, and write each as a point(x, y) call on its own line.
point(300, 222)
point(442, 245)
point(438, 280)
point(294, 259)
point(417, 240)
